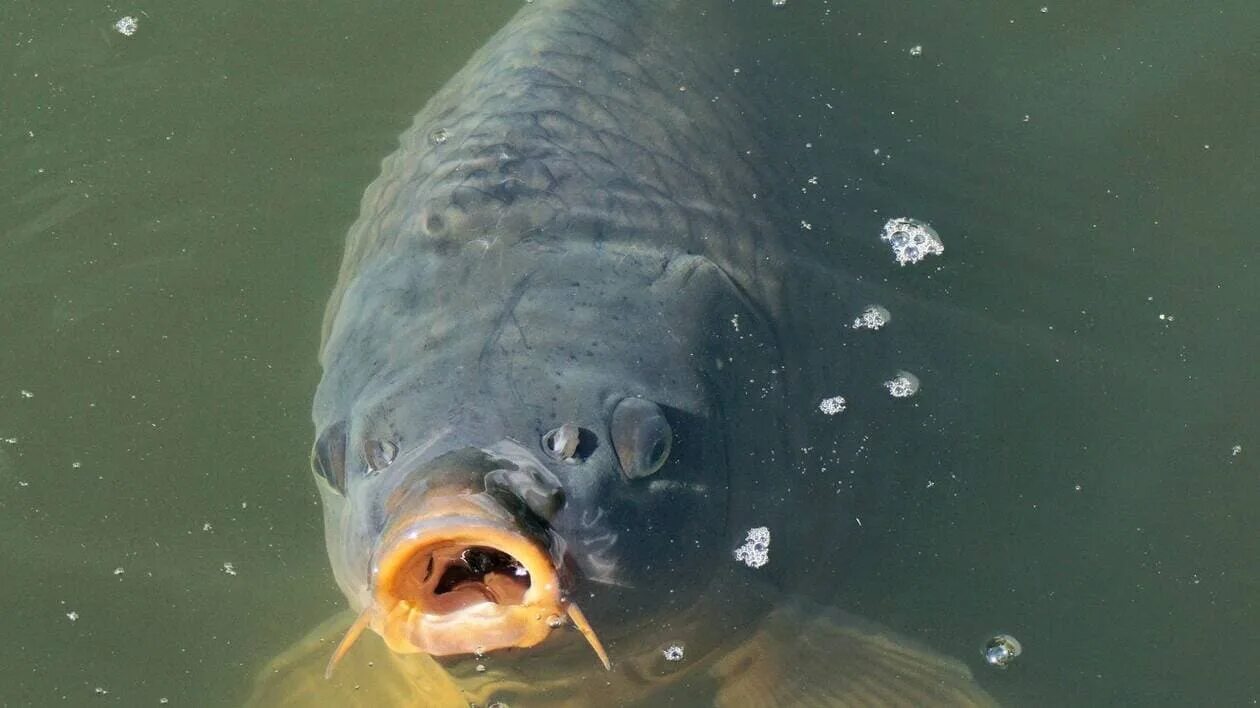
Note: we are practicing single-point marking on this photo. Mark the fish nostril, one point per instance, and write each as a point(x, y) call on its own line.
point(562, 443)
point(379, 454)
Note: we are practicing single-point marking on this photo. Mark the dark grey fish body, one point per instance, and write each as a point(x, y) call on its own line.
point(576, 218)
point(552, 376)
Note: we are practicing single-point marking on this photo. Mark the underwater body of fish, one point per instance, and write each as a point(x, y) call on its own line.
point(537, 442)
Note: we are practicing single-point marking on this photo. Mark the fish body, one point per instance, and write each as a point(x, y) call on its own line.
point(535, 415)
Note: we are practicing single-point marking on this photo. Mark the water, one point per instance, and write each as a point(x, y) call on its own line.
point(176, 201)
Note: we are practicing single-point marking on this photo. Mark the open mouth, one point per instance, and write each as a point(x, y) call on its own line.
point(449, 577)
point(464, 582)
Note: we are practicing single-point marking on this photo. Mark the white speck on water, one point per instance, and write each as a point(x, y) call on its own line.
point(873, 318)
point(735, 321)
point(1045, 9)
point(481, 668)
point(439, 136)
point(832, 406)
point(11, 441)
point(27, 394)
point(756, 549)
point(100, 691)
point(903, 385)
point(858, 519)
point(807, 226)
point(127, 26)
point(23, 484)
point(72, 616)
point(673, 652)
point(1235, 451)
point(778, 3)
point(916, 50)
point(911, 240)
point(207, 527)
point(229, 568)
point(812, 180)
point(76, 464)
point(119, 570)
point(1077, 487)
point(164, 700)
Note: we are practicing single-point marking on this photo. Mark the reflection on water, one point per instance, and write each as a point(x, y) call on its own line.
point(1077, 469)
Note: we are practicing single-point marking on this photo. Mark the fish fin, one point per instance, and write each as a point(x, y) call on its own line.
point(369, 677)
point(811, 656)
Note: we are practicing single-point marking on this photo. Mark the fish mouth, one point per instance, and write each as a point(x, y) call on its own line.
point(462, 577)
point(465, 585)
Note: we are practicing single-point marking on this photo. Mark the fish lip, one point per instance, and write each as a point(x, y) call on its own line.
point(426, 600)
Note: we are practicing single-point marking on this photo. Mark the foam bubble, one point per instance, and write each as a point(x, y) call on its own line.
point(832, 406)
point(902, 385)
point(756, 549)
point(873, 318)
point(911, 240)
point(127, 26)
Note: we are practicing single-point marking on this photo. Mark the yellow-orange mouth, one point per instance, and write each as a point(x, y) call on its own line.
point(458, 578)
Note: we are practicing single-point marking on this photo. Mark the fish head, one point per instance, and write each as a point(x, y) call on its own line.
point(471, 501)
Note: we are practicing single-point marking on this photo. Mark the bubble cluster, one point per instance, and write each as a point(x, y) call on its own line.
point(1001, 650)
point(756, 549)
point(832, 406)
point(911, 240)
point(673, 652)
point(903, 385)
point(127, 26)
point(873, 318)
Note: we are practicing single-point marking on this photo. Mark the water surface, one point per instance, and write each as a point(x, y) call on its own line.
point(174, 208)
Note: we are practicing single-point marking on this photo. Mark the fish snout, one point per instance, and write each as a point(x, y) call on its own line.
point(467, 562)
point(463, 577)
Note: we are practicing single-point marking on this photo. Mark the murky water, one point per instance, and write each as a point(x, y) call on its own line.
point(174, 207)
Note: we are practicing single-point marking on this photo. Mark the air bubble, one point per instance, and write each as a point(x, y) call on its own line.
point(911, 240)
point(439, 136)
point(832, 406)
point(127, 26)
point(756, 549)
point(874, 317)
point(903, 385)
point(1001, 650)
point(673, 652)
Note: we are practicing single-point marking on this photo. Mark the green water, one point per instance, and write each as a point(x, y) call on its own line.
point(174, 204)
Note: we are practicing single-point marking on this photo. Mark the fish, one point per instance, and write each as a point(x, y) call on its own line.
point(536, 442)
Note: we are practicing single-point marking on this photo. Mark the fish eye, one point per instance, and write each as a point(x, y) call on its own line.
point(328, 457)
point(641, 437)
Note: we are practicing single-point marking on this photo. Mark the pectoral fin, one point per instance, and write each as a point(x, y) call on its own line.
point(815, 657)
point(371, 676)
